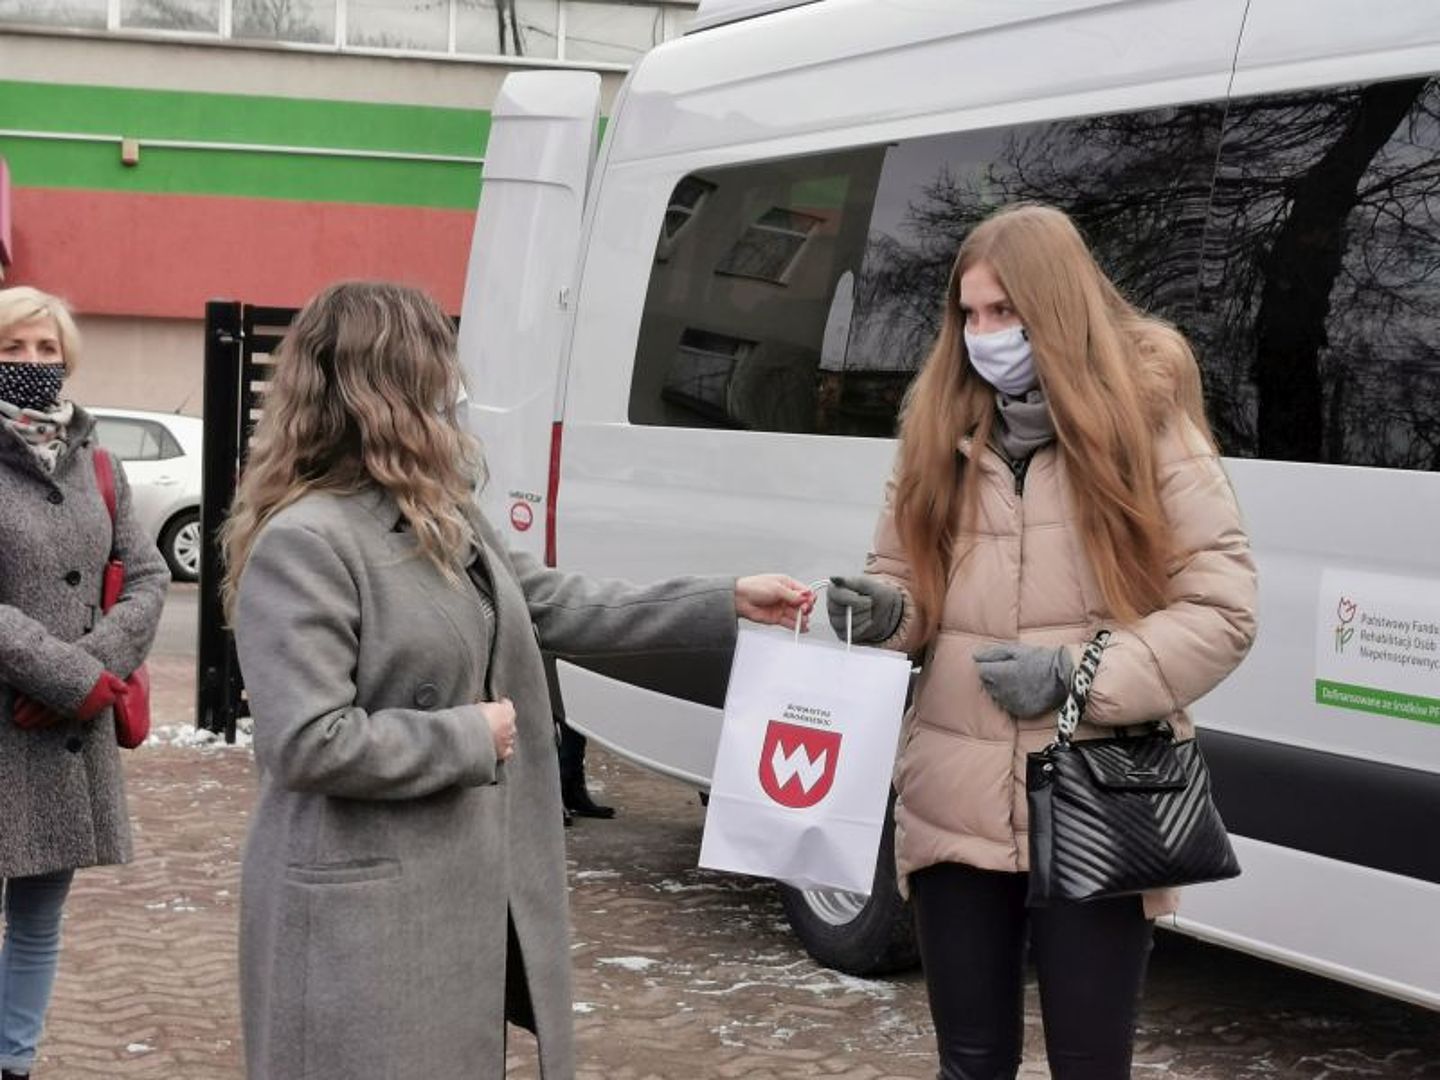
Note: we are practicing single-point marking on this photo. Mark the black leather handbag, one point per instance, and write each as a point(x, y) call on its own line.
point(1119, 815)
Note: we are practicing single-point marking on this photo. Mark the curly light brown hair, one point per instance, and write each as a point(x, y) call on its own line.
point(364, 395)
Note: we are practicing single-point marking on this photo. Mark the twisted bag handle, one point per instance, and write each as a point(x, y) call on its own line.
point(1073, 710)
point(849, 617)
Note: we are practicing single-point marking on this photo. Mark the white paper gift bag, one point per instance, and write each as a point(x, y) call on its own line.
point(802, 776)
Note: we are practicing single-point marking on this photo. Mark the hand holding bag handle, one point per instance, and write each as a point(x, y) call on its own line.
point(132, 710)
point(1119, 815)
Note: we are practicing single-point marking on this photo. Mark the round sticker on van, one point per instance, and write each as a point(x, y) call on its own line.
point(521, 516)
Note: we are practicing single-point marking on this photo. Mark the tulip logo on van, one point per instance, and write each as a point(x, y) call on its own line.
point(797, 764)
point(1345, 612)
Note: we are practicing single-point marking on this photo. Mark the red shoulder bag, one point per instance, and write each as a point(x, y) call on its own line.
point(132, 712)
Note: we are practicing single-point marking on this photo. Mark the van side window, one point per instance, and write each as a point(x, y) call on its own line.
point(1137, 184)
point(741, 290)
point(1321, 266)
point(806, 294)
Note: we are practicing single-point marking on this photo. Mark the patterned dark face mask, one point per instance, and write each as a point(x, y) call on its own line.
point(31, 386)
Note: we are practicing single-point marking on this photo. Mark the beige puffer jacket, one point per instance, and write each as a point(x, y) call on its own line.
point(961, 770)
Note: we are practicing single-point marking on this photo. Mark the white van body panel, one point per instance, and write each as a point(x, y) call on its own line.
point(1286, 907)
point(643, 501)
point(515, 314)
point(1290, 44)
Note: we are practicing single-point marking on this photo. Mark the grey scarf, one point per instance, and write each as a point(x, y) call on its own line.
point(1025, 424)
point(45, 433)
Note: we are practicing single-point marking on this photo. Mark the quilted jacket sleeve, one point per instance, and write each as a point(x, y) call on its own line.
point(1165, 661)
point(887, 560)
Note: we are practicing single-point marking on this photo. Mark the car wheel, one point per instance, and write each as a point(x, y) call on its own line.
point(180, 544)
point(858, 935)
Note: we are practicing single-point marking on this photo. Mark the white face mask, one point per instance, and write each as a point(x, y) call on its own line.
point(1003, 359)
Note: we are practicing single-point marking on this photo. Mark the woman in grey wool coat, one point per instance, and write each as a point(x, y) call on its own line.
point(62, 662)
point(403, 889)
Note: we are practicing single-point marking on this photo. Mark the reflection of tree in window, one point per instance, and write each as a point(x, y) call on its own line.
point(507, 27)
point(281, 20)
point(87, 14)
point(770, 246)
point(1137, 184)
point(1321, 277)
point(171, 14)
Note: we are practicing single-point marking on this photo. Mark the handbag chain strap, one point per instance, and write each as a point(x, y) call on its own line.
point(1074, 708)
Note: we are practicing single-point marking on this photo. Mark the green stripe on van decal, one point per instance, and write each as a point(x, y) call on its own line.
point(1381, 702)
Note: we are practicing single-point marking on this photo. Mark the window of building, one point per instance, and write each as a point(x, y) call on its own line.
point(610, 32)
point(285, 20)
point(702, 373)
point(508, 28)
point(685, 203)
point(769, 248)
point(81, 14)
point(194, 15)
point(397, 24)
point(580, 32)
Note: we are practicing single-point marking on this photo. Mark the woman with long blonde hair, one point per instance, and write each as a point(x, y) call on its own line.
point(403, 884)
point(1056, 475)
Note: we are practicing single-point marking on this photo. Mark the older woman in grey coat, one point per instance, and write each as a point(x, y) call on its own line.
point(404, 879)
point(62, 662)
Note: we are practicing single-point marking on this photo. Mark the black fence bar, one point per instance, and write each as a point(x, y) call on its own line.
point(218, 675)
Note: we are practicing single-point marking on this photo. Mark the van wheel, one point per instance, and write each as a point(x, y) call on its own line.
point(858, 935)
point(180, 544)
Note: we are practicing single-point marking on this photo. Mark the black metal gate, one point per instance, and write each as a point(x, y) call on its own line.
point(239, 340)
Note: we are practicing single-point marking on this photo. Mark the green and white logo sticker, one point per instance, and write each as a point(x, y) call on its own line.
point(1377, 645)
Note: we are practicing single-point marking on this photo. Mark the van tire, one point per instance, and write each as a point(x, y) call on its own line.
point(879, 936)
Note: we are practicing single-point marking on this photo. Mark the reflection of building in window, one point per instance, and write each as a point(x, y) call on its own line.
point(685, 203)
point(770, 247)
point(699, 376)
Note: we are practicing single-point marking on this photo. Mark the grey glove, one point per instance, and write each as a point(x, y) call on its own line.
point(877, 607)
point(1025, 680)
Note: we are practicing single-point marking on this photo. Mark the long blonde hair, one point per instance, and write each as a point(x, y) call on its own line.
point(364, 394)
point(1112, 377)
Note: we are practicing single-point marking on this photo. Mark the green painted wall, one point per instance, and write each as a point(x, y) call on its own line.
point(160, 114)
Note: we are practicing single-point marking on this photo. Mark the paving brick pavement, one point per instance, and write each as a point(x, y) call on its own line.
point(678, 972)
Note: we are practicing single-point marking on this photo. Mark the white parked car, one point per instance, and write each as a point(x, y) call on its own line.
point(161, 455)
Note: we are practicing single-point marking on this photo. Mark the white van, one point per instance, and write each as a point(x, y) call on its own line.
point(687, 355)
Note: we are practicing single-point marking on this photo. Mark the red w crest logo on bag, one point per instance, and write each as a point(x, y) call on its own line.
point(797, 764)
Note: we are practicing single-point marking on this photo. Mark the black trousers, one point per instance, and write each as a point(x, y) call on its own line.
point(1090, 959)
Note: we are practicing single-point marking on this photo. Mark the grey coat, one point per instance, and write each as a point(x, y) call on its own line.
point(387, 846)
point(62, 794)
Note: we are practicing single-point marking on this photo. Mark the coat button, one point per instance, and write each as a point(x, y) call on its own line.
point(72, 578)
point(426, 694)
point(56, 497)
point(74, 744)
